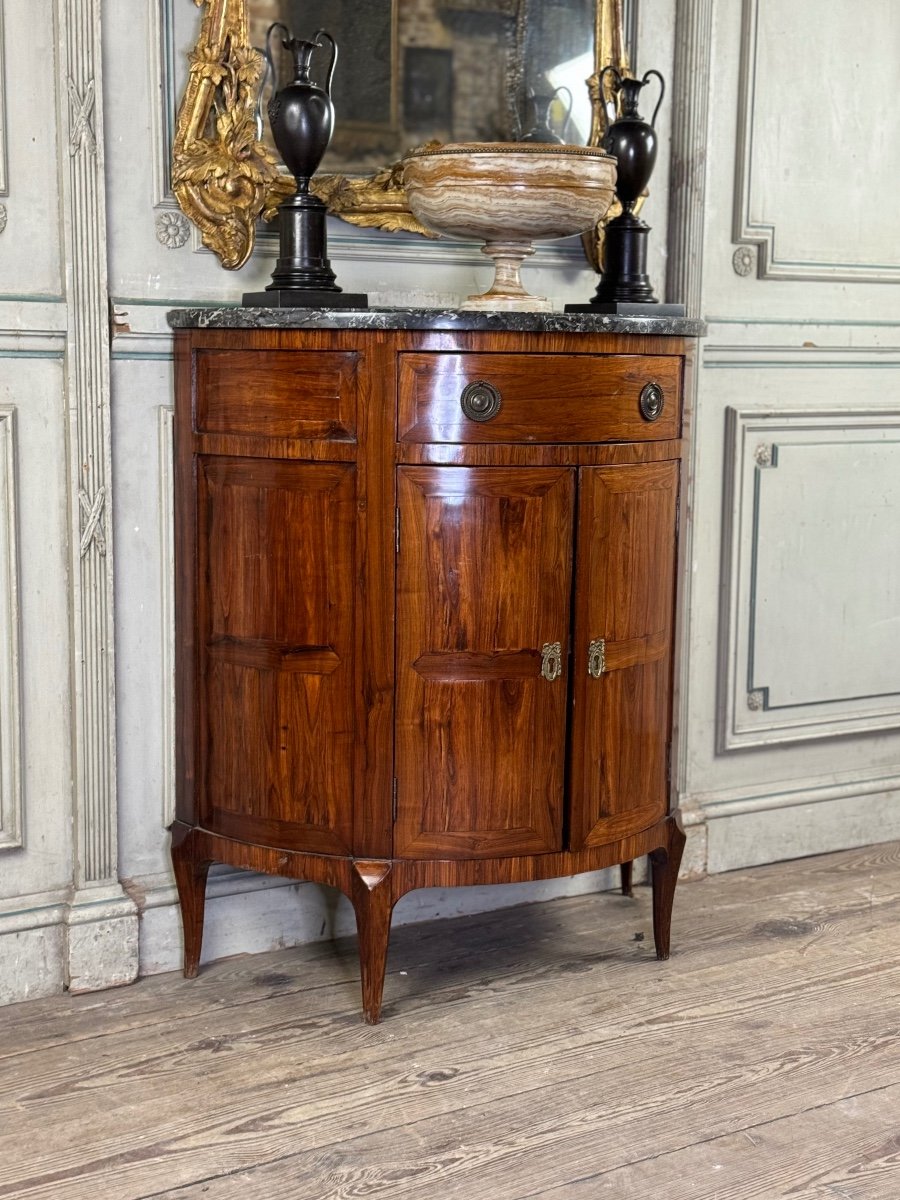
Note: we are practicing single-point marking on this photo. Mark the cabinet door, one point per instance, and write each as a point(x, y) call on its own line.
point(275, 586)
point(484, 583)
point(622, 660)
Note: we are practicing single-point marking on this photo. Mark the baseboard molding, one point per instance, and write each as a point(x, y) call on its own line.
point(747, 831)
point(56, 941)
point(32, 963)
point(32, 946)
point(740, 801)
point(101, 939)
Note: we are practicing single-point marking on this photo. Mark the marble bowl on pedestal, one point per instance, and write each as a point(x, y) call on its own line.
point(509, 195)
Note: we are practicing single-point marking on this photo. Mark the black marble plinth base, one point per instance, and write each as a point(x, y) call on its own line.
point(626, 308)
point(304, 298)
point(625, 279)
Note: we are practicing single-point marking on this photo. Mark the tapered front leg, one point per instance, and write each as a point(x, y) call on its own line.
point(373, 903)
point(626, 870)
point(664, 864)
point(190, 879)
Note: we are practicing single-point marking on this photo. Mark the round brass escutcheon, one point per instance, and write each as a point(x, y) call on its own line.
point(480, 401)
point(651, 401)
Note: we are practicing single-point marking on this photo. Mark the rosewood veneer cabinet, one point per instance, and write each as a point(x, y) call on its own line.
point(425, 602)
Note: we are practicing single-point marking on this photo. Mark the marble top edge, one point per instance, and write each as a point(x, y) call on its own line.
point(430, 319)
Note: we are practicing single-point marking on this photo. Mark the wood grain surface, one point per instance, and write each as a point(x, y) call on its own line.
point(483, 582)
point(543, 1052)
point(324, 582)
point(544, 397)
point(624, 595)
point(277, 394)
point(275, 617)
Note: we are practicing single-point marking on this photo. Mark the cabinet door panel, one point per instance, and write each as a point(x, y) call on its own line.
point(276, 603)
point(274, 394)
point(484, 581)
point(625, 596)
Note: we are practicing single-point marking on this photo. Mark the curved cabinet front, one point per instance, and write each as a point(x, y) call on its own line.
point(419, 646)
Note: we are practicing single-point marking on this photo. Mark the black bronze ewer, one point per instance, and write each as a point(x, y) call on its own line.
point(302, 118)
point(624, 284)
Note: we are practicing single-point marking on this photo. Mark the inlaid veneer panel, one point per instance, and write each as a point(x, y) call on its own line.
point(544, 397)
point(276, 393)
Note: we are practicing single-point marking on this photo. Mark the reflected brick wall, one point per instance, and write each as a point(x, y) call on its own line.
point(470, 42)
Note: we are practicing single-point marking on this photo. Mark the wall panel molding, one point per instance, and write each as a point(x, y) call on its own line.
point(162, 117)
point(741, 801)
point(167, 658)
point(101, 936)
point(4, 156)
point(807, 647)
point(800, 356)
point(684, 284)
point(690, 137)
point(11, 800)
point(755, 102)
point(87, 386)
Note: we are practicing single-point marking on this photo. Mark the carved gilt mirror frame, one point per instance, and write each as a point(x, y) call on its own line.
point(225, 178)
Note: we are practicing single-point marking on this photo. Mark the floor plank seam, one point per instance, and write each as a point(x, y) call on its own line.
point(434, 995)
point(217, 1177)
point(775, 1028)
point(745, 1130)
point(407, 1126)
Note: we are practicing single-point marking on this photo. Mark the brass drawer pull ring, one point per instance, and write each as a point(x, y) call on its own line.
point(651, 401)
point(480, 400)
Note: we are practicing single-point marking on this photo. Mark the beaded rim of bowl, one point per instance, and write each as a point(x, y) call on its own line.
point(509, 148)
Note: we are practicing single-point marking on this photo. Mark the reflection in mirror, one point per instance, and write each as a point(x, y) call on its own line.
point(410, 72)
point(413, 71)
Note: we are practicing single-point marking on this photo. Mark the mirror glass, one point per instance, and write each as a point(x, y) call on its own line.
point(414, 71)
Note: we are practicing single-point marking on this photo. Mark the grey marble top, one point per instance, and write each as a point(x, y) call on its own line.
point(429, 319)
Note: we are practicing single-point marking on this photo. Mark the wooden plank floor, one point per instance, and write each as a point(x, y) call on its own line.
point(536, 1052)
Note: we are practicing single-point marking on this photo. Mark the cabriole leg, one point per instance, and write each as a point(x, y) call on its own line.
point(373, 903)
point(190, 879)
point(664, 864)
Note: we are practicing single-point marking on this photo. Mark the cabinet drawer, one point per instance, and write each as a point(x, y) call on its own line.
point(538, 397)
point(276, 394)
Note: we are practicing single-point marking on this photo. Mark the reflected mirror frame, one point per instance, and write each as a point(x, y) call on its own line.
point(224, 178)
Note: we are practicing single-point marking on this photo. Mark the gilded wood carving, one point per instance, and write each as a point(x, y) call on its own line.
point(223, 177)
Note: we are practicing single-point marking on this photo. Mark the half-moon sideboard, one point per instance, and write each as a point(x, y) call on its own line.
point(426, 573)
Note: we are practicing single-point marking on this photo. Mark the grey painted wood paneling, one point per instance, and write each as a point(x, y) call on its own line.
point(811, 564)
point(11, 817)
point(815, 159)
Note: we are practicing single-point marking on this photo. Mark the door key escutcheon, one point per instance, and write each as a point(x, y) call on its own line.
point(597, 658)
point(551, 660)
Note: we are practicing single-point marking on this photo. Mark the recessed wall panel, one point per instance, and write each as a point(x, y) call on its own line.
point(811, 637)
point(30, 234)
point(816, 153)
point(826, 595)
